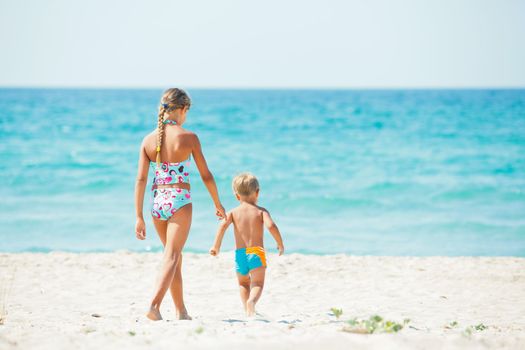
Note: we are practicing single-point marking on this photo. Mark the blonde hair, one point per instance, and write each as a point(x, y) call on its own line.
point(172, 98)
point(245, 184)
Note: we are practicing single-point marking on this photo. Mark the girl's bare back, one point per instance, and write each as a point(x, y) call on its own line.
point(177, 145)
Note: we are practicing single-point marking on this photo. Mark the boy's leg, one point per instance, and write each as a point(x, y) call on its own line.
point(244, 287)
point(256, 288)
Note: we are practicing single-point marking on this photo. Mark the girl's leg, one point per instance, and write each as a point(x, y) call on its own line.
point(176, 234)
point(256, 288)
point(176, 287)
point(177, 295)
point(244, 287)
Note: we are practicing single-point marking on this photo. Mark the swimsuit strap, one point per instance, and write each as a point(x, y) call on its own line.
point(158, 166)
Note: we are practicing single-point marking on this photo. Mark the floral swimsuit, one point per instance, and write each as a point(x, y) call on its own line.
point(166, 201)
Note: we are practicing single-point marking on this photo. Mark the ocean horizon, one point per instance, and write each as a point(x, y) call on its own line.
point(417, 172)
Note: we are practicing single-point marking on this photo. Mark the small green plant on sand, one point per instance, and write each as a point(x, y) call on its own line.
point(468, 331)
point(375, 324)
point(480, 327)
point(132, 333)
point(199, 330)
point(471, 329)
point(451, 325)
point(337, 312)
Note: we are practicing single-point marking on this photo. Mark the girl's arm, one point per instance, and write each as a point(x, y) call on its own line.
point(207, 177)
point(274, 230)
point(220, 234)
point(140, 187)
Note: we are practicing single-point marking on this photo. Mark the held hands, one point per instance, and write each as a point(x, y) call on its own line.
point(140, 229)
point(220, 212)
point(281, 249)
point(214, 251)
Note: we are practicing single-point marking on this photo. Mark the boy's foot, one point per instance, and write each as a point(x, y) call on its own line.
point(154, 314)
point(250, 308)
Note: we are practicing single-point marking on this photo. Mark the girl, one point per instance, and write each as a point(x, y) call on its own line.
point(169, 150)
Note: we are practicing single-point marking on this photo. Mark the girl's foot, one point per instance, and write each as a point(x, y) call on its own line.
point(250, 308)
point(184, 316)
point(154, 314)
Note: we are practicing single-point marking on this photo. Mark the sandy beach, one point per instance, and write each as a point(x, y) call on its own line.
point(97, 300)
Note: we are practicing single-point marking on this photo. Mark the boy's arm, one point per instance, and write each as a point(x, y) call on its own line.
point(223, 226)
point(274, 230)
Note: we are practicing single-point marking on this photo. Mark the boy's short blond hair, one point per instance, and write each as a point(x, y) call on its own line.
point(245, 184)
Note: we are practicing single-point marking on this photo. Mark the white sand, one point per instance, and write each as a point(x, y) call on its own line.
point(54, 295)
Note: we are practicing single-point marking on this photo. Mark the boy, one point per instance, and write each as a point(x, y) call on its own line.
point(248, 219)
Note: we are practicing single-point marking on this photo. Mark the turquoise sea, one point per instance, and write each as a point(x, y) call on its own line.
point(375, 172)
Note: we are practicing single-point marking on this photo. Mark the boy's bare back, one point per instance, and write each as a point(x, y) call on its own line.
point(248, 220)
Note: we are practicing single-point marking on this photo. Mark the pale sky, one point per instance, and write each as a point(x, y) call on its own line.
point(270, 43)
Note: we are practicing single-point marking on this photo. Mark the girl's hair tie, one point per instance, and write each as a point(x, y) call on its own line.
point(168, 108)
